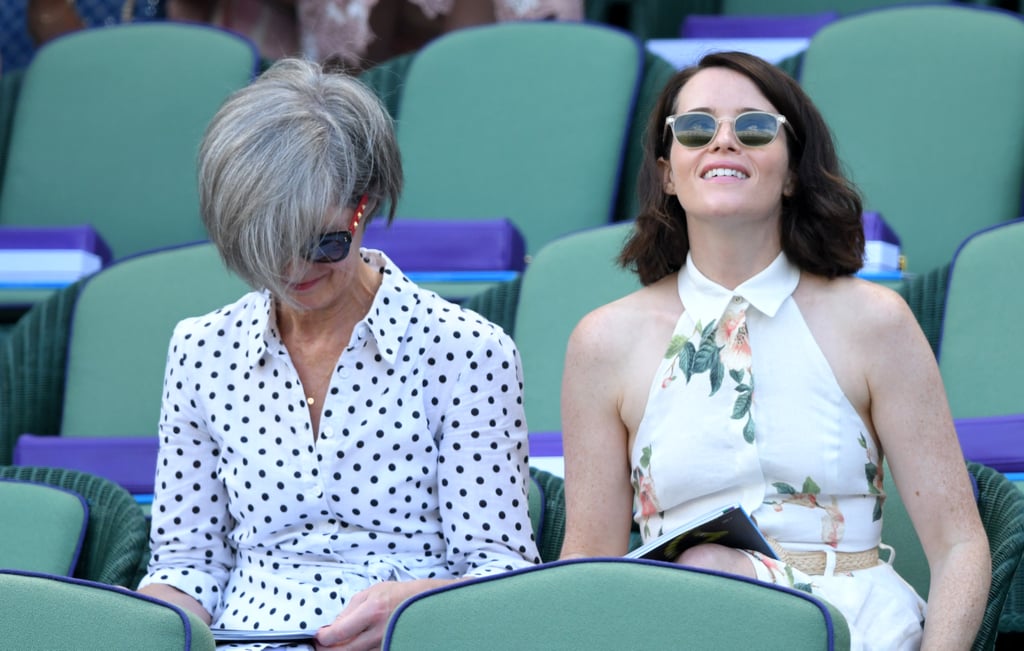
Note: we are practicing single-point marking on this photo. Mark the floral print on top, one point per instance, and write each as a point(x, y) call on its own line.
point(806, 469)
point(721, 345)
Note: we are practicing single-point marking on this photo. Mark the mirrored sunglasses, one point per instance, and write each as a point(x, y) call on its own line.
point(753, 129)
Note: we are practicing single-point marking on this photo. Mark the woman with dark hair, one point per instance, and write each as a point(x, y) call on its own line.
point(337, 439)
point(753, 368)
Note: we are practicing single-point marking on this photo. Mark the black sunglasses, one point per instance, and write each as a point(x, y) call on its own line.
point(334, 246)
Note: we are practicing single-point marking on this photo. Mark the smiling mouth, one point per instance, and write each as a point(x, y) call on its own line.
point(305, 285)
point(723, 171)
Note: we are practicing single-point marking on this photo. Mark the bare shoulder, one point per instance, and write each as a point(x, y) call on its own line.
point(619, 344)
point(612, 356)
point(855, 305)
point(618, 326)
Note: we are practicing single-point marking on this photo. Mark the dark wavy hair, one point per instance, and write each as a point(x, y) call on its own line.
point(822, 228)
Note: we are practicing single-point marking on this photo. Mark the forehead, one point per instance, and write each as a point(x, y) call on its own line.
point(721, 90)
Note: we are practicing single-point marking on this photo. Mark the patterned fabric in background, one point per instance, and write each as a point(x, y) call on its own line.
point(17, 48)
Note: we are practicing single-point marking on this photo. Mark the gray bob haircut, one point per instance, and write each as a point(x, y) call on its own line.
point(282, 156)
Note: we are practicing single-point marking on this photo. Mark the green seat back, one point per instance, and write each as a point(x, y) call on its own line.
point(897, 86)
point(44, 527)
point(614, 604)
point(984, 304)
point(107, 126)
point(535, 500)
point(120, 330)
point(566, 279)
point(525, 120)
point(43, 612)
point(657, 73)
point(116, 545)
point(387, 79)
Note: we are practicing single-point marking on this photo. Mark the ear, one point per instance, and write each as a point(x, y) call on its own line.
point(667, 186)
point(789, 187)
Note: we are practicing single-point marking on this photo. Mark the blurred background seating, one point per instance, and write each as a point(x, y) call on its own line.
point(520, 120)
point(897, 86)
point(104, 132)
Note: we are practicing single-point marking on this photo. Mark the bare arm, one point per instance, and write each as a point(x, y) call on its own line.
point(172, 595)
point(598, 493)
point(912, 419)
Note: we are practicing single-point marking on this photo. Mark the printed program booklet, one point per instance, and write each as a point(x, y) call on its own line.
point(729, 526)
point(234, 635)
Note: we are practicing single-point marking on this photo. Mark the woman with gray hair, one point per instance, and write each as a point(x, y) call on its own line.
point(339, 438)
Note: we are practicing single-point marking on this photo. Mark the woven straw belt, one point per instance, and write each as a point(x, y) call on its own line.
point(817, 562)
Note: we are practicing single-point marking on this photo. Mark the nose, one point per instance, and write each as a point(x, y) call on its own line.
point(725, 135)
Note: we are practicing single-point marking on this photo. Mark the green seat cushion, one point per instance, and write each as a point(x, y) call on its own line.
point(44, 612)
point(614, 604)
point(43, 527)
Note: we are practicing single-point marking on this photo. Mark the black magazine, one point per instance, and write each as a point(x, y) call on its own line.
point(729, 526)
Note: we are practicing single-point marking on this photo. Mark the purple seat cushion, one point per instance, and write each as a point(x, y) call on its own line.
point(546, 444)
point(449, 244)
point(996, 441)
point(81, 237)
point(876, 229)
point(127, 460)
point(755, 26)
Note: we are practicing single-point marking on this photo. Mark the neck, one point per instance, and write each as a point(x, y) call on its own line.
point(730, 257)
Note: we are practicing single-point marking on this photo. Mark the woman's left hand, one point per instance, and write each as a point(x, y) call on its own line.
point(361, 625)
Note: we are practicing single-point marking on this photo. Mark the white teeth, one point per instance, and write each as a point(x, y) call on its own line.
point(723, 171)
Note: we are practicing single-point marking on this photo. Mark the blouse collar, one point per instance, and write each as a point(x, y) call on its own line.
point(766, 290)
point(386, 323)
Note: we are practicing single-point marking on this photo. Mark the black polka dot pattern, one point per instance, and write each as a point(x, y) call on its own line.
point(419, 468)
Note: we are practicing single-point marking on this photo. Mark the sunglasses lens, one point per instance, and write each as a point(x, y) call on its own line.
point(332, 247)
point(694, 129)
point(756, 129)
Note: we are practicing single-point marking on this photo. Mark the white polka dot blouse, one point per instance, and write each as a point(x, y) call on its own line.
point(419, 468)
